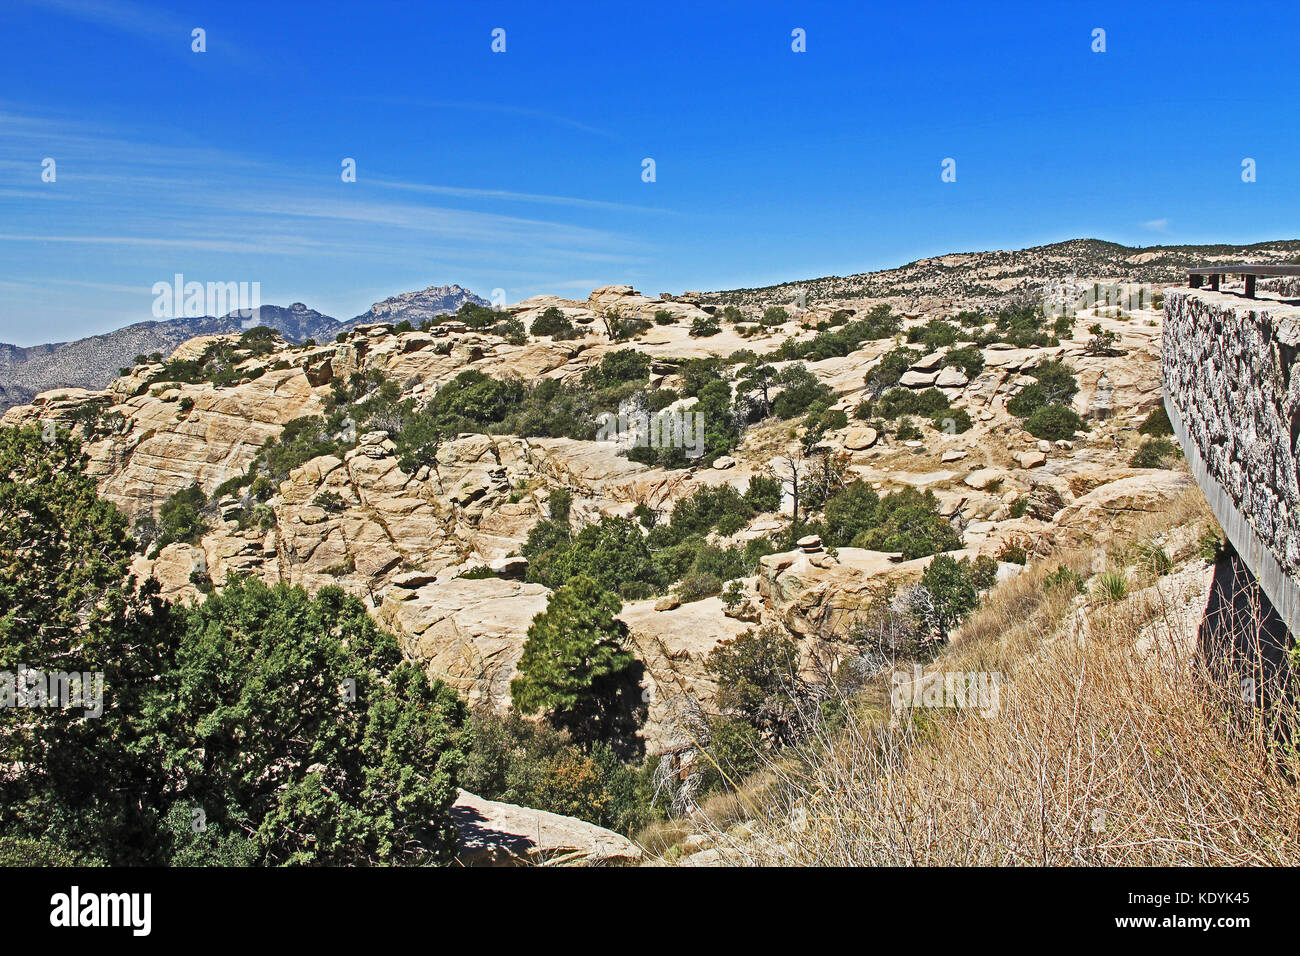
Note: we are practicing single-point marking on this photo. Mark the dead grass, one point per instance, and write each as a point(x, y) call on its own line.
point(1100, 752)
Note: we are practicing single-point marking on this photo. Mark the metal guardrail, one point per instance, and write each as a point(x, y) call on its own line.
point(1196, 276)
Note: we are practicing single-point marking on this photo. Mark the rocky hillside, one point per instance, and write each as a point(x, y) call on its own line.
point(1100, 651)
point(311, 470)
point(984, 276)
point(94, 361)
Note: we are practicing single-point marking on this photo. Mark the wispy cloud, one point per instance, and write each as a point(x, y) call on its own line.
point(134, 206)
point(506, 195)
point(120, 15)
point(163, 30)
point(1156, 225)
point(504, 109)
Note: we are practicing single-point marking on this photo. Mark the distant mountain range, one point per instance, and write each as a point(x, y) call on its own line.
point(95, 361)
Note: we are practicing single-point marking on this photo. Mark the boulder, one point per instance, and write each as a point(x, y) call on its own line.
point(812, 601)
point(951, 378)
point(810, 544)
point(911, 379)
point(511, 567)
point(931, 362)
point(469, 632)
point(744, 610)
point(859, 437)
point(1044, 502)
point(491, 833)
point(1114, 507)
point(668, 602)
point(982, 478)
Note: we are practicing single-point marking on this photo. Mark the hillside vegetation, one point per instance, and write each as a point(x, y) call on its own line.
point(524, 584)
point(1112, 743)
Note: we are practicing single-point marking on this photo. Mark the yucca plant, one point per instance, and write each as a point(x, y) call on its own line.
point(1112, 585)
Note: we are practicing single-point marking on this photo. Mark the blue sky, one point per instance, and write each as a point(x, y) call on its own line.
point(522, 170)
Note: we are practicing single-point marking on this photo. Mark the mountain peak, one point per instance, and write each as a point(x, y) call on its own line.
point(417, 307)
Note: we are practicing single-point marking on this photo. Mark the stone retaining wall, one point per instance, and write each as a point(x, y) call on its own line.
point(1232, 390)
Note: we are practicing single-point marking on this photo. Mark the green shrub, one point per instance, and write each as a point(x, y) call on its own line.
point(1055, 385)
point(616, 368)
point(613, 552)
point(559, 503)
point(1157, 424)
point(935, 334)
point(1023, 327)
point(952, 421)
point(1054, 422)
point(1153, 452)
point(800, 389)
point(1102, 342)
point(905, 521)
point(904, 401)
point(763, 493)
point(969, 359)
point(907, 430)
point(734, 751)
point(759, 683)
point(512, 330)
point(695, 587)
point(984, 572)
point(1151, 557)
point(849, 513)
point(890, 369)
point(953, 591)
point(532, 764)
point(554, 323)
point(1014, 551)
point(241, 648)
point(1064, 577)
point(330, 501)
point(705, 325)
point(879, 323)
point(1212, 545)
point(621, 327)
point(180, 519)
point(729, 524)
point(25, 852)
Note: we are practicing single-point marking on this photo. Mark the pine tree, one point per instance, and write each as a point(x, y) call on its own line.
point(577, 669)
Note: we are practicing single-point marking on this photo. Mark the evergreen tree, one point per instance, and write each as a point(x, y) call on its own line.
point(577, 669)
point(76, 779)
